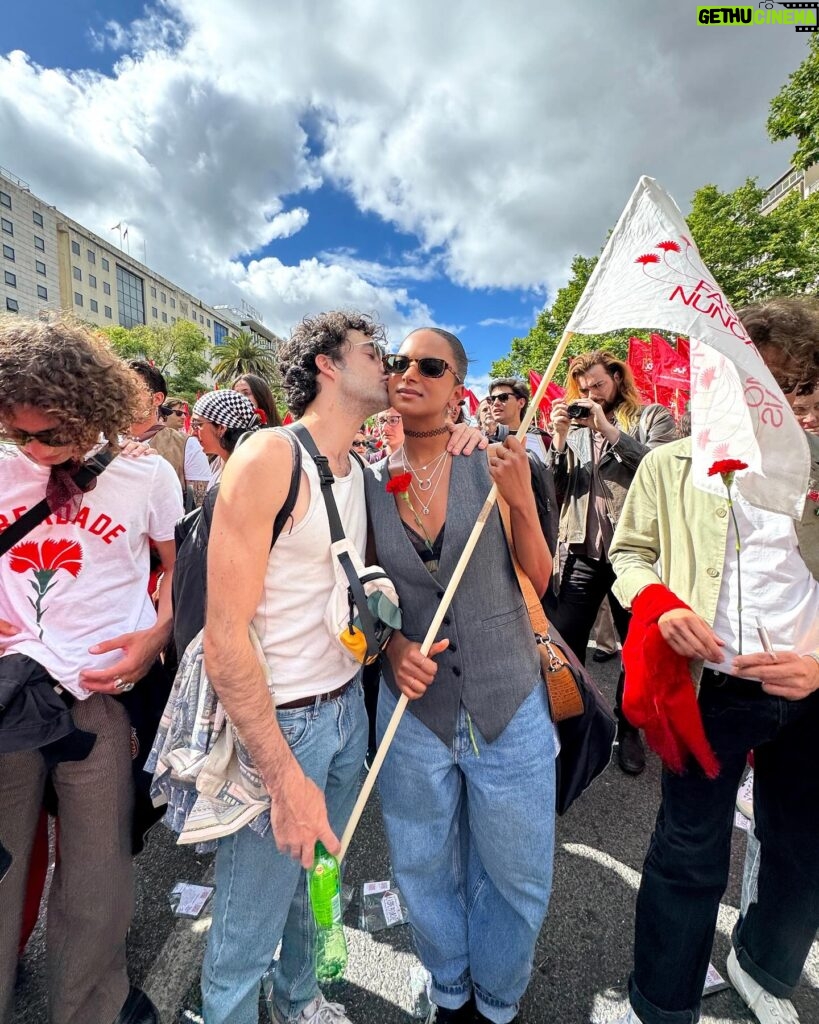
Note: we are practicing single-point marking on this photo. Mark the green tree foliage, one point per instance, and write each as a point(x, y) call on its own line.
point(795, 110)
point(243, 354)
point(180, 351)
point(754, 255)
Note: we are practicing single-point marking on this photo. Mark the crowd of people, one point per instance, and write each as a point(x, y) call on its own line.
point(99, 469)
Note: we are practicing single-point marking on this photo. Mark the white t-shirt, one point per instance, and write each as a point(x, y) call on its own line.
point(778, 589)
point(197, 467)
point(70, 585)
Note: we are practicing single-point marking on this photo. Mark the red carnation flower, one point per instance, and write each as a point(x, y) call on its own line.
point(813, 495)
point(648, 257)
point(262, 416)
point(399, 484)
point(723, 466)
point(669, 246)
point(25, 556)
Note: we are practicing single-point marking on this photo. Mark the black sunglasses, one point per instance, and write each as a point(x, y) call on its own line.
point(502, 396)
point(428, 366)
point(49, 438)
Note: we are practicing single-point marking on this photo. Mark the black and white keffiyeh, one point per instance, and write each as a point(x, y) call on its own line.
point(227, 409)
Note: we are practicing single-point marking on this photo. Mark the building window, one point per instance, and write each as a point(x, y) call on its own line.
point(91, 256)
point(8, 252)
point(163, 297)
point(153, 292)
point(106, 287)
point(5, 200)
point(39, 243)
point(131, 297)
point(108, 312)
point(164, 318)
point(173, 303)
point(208, 323)
point(154, 312)
point(92, 281)
point(105, 264)
point(12, 305)
point(11, 279)
point(75, 248)
point(42, 293)
point(39, 267)
point(37, 218)
point(220, 332)
point(173, 319)
point(94, 306)
point(7, 226)
point(77, 273)
point(77, 299)
point(201, 319)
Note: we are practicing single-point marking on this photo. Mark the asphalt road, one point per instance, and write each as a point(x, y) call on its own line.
point(583, 954)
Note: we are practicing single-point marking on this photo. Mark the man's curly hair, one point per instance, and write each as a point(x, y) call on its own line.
point(323, 334)
point(64, 369)
point(788, 323)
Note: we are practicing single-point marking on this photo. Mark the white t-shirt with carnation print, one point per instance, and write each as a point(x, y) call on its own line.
point(71, 584)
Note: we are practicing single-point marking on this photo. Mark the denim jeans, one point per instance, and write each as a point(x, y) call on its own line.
point(471, 837)
point(686, 868)
point(583, 585)
point(261, 895)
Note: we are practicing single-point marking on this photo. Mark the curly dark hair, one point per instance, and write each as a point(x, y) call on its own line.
point(789, 323)
point(323, 334)
point(64, 369)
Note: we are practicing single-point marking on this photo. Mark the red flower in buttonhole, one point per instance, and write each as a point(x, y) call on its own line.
point(399, 484)
point(725, 466)
point(262, 416)
point(669, 246)
point(648, 257)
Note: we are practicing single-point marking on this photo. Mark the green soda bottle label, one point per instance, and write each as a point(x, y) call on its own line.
point(325, 895)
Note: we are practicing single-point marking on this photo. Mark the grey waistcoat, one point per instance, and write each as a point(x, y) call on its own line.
point(492, 664)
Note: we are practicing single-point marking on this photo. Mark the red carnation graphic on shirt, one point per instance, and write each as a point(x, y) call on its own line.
point(44, 562)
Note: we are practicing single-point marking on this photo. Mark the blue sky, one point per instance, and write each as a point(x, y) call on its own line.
point(430, 164)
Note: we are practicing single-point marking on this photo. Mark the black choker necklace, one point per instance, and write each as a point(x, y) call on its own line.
point(426, 433)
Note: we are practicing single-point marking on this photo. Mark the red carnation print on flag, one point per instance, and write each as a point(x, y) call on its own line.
point(669, 246)
point(648, 257)
point(44, 562)
point(727, 468)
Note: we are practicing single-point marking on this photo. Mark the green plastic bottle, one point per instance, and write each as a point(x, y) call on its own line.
point(324, 883)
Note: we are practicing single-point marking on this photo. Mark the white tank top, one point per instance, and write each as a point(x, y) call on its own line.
point(304, 659)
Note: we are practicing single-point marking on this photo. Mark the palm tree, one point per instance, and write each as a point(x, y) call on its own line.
point(242, 354)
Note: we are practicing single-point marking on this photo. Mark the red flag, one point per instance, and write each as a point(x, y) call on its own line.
point(472, 401)
point(287, 419)
point(684, 348)
point(642, 366)
point(553, 392)
point(670, 368)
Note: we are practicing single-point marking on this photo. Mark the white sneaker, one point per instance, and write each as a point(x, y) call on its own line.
point(766, 1008)
point(318, 1011)
point(745, 796)
point(629, 1017)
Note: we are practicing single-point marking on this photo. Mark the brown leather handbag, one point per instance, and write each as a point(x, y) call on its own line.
point(562, 686)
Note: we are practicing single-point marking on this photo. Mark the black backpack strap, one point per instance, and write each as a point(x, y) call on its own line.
point(286, 511)
point(337, 533)
point(89, 471)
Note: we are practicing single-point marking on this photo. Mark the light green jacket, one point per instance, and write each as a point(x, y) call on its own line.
point(672, 533)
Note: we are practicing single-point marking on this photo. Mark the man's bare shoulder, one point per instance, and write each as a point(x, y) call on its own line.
point(266, 453)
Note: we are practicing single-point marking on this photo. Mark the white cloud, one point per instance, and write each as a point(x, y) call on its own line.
point(507, 321)
point(505, 138)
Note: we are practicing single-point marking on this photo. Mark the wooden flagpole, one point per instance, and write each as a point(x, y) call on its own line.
point(443, 607)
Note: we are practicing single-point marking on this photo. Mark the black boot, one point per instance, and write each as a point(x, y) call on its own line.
point(137, 1009)
point(463, 1015)
point(631, 754)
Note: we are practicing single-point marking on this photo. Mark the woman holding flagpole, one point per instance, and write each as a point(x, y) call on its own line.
point(468, 784)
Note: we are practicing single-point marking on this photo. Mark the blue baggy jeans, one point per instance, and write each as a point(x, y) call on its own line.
point(471, 837)
point(261, 896)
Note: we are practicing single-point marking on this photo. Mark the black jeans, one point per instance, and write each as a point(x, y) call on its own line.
point(584, 583)
point(686, 868)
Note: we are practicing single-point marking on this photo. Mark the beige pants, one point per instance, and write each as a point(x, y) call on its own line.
point(90, 902)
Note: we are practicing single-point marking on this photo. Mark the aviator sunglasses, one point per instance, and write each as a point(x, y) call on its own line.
point(49, 438)
point(428, 366)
